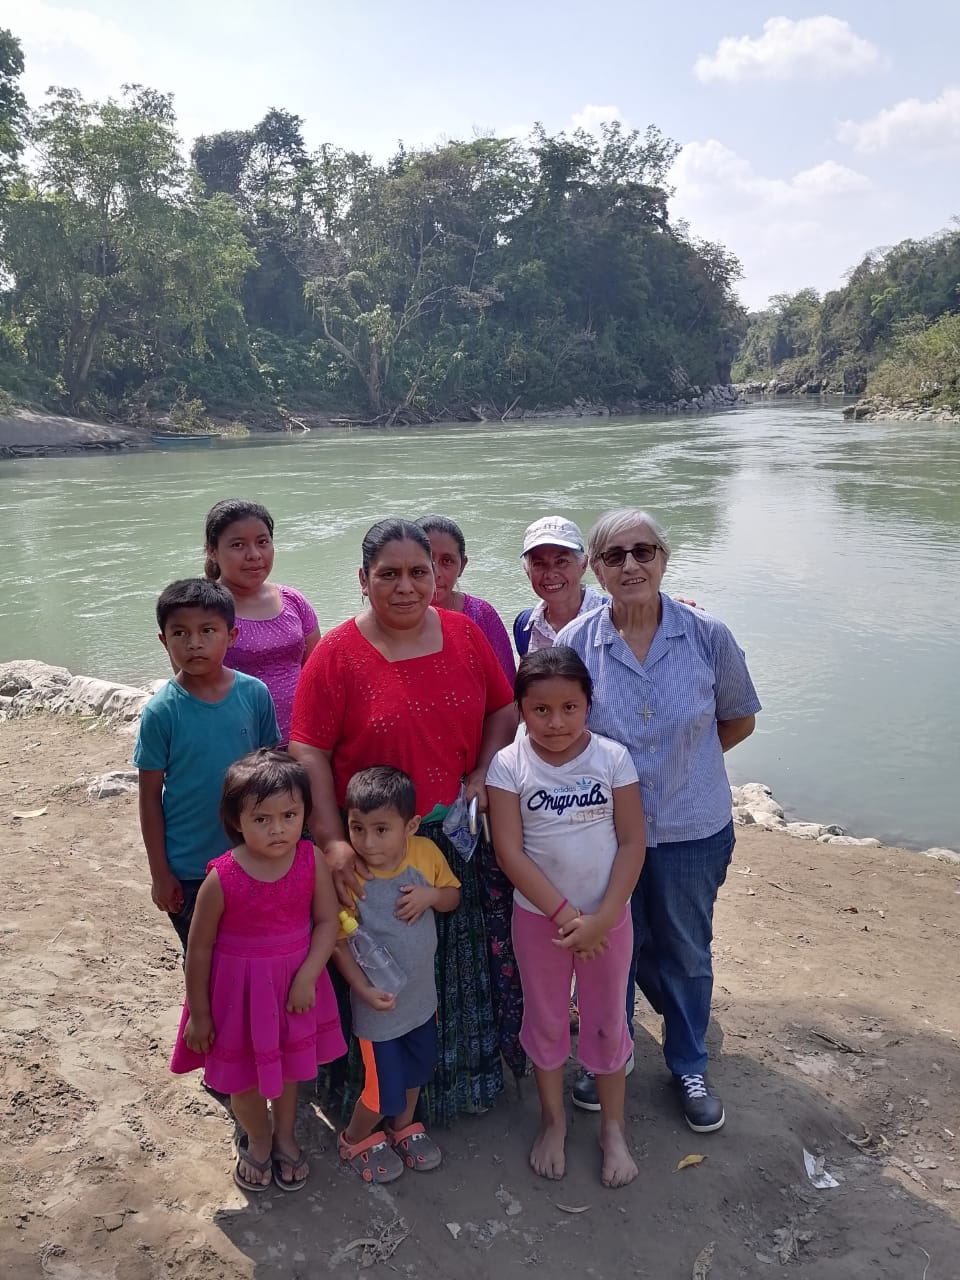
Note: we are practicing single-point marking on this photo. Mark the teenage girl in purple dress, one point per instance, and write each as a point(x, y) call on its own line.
point(276, 627)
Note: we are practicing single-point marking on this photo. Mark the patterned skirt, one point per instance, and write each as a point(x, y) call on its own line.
point(480, 1001)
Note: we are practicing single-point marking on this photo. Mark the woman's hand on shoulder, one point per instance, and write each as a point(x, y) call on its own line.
point(348, 871)
point(198, 1034)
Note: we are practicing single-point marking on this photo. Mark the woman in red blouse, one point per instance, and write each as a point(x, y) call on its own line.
point(407, 685)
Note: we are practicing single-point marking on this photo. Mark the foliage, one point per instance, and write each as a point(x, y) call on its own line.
point(923, 364)
point(13, 106)
point(839, 339)
point(492, 271)
point(116, 270)
point(189, 416)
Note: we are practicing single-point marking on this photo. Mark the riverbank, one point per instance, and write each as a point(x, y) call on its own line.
point(835, 1029)
point(28, 687)
point(28, 434)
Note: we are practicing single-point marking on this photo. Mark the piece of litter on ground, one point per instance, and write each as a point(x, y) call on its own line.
point(511, 1205)
point(787, 1242)
point(703, 1262)
point(817, 1173)
point(688, 1162)
point(34, 813)
point(454, 1229)
point(572, 1208)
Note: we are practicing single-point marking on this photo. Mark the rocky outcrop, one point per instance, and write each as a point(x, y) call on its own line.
point(882, 409)
point(693, 400)
point(27, 686)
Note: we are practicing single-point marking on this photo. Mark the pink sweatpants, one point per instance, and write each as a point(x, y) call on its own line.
point(545, 971)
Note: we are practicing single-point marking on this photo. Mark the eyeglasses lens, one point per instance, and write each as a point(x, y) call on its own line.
point(642, 552)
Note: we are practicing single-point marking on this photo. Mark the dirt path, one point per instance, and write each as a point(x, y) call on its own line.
point(112, 1169)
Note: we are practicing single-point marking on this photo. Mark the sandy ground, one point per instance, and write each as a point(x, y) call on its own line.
point(836, 1029)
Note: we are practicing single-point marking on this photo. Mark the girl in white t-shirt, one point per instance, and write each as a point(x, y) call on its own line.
point(568, 831)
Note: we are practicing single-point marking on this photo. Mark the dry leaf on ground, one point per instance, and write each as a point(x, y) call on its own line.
point(689, 1162)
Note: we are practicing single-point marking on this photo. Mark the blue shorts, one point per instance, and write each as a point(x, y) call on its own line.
point(391, 1067)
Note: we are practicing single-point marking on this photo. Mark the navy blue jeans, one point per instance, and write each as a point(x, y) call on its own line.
point(672, 908)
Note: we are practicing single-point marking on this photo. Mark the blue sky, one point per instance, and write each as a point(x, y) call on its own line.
point(811, 132)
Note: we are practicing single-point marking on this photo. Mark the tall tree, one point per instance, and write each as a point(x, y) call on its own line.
point(105, 248)
point(13, 106)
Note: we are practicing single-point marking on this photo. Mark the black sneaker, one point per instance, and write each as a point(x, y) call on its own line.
point(702, 1108)
point(585, 1094)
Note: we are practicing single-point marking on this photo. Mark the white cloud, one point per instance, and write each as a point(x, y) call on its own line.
point(704, 167)
point(910, 125)
point(592, 117)
point(72, 47)
point(788, 49)
point(788, 232)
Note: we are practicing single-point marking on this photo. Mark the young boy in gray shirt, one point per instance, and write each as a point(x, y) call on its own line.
point(409, 880)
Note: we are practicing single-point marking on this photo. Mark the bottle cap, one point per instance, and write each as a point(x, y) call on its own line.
point(348, 923)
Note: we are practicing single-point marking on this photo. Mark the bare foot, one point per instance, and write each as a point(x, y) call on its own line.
point(618, 1164)
point(546, 1154)
point(256, 1150)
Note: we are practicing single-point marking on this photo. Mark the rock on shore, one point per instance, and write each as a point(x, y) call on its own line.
point(882, 409)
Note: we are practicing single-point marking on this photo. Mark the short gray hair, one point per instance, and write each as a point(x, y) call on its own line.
point(614, 522)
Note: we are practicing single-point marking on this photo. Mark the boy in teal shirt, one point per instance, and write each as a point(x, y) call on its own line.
point(200, 722)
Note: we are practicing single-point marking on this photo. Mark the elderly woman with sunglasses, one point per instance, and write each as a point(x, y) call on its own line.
point(672, 685)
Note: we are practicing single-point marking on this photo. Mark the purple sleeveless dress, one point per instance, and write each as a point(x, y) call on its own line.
point(263, 939)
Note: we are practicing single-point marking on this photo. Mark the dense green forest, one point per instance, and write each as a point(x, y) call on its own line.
point(893, 329)
point(490, 272)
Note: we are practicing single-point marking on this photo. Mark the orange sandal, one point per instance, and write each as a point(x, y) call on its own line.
point(373, 1159)
point(415, 1147)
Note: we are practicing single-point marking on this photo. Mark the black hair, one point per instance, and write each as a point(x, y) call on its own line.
point(384, 532)
point(443, 524)
point(225, 513)
point(195, 593)
point(254, 778)
point(545, 664)
point(382, 787)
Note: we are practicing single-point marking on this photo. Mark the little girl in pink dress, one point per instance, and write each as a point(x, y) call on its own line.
point(260, 1013)
point(276, 626)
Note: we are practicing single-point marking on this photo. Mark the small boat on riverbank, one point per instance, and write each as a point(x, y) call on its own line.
point(175, 439)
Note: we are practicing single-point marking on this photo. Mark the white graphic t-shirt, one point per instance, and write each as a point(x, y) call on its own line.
point(567, 813)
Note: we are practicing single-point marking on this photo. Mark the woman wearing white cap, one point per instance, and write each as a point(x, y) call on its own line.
point(555, 560)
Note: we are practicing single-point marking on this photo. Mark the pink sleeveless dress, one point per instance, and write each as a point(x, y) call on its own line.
point(263, 939)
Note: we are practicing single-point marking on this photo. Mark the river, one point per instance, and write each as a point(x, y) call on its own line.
point(832, 549)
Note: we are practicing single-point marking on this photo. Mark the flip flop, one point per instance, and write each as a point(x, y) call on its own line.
point(372, 1159)
point(261, 1166)
point(415, 1147)
point(279, 1159)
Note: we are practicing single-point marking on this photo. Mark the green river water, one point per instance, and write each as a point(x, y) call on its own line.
point(832, 549)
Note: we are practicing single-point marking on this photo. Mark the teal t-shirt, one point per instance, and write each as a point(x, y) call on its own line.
point(193, 742)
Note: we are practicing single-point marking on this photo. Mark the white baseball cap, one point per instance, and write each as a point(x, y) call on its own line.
point(553, 531)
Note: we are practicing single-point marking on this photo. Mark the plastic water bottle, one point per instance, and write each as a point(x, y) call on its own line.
point(374, 959)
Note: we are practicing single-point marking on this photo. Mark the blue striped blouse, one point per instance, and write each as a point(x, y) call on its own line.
point(665, 711)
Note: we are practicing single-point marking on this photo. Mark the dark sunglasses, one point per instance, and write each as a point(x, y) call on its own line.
point(642, 552)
